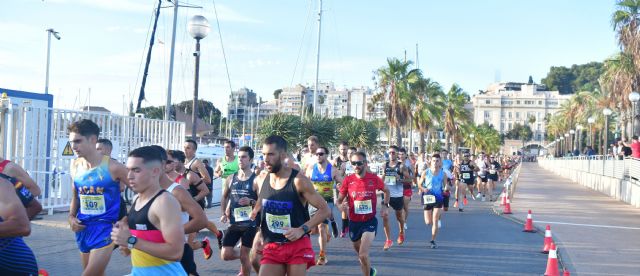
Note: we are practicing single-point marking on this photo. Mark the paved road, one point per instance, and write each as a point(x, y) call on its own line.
point(597, 235)
point(476, 242)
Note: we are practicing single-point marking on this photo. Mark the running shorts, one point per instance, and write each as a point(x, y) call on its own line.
point(289, 253)
point(234, 233)
point(356, 228)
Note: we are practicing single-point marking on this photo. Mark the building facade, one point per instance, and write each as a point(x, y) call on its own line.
point(240, 102)
point(504, 105)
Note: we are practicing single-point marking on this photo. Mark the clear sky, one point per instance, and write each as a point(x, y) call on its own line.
point(469, 42)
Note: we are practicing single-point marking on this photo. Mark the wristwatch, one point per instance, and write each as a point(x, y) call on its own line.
point(131, 241)
point(305, 228)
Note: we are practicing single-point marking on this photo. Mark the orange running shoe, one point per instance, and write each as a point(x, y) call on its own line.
point(387, 245)
point(465, 201)
point(206, 248)
point(400, 239)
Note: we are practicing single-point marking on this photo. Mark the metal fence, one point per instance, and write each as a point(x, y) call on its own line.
point(35, 138)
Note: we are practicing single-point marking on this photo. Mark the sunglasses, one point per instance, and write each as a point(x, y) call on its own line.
point(169, 161)
point(319, 153)
point(357, 163)
point(392, 152)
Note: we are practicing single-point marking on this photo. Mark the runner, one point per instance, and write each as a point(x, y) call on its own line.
point(322, 176)
point(393, 172)
point(466, 171)
point(240, 196)
point(188, 206)
point(309, 157)
point(153, 234)
point(342, 162)
point(406, 184)
point(105, 147)
point(283, 195)
point(494, 169)
point(447, 165)
point(210, 185)
point(433, 181)
point(228, 164)
point(360, 191)
point(482, 175)
point(194, 164)
point(95, 204)
point(26, 189)
point(16, 258)
point(192, 182)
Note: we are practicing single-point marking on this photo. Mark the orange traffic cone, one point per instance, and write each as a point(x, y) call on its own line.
point(507, 207)
point(547, 240)
point(503, 198)
point(552, 262)
point(43, 272)
point(566, 273)
point(528, 226)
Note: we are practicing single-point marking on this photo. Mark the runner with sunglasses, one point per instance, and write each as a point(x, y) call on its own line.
point(394, 171)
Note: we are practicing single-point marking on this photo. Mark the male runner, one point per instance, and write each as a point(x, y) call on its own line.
point(153, 233)
point(360, 191)
point(308, 158)
point(228, 164)
point(237, 203)
point(406, 184)
point(105, 147)
point(26, 189)
point(466, 171)
point(482, 175)
point(188, 206)
point(433, 181)
point(16, 258)
point(285, 222)
point(322, 174)
point(210, 185)
point(194, 164)
point(494, 169)
point(95, 204)
point(447, 165)
point(342, 162)
point(192, 182)
point(393, 172)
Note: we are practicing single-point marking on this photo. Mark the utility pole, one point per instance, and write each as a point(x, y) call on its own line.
point(315, 92)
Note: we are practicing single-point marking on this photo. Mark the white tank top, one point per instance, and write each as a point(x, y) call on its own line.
point(184, 216)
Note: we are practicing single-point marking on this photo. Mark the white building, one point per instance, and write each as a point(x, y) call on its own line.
point(240, 102)
point(505, 104)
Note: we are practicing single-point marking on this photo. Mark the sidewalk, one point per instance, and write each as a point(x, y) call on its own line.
point(597, 235)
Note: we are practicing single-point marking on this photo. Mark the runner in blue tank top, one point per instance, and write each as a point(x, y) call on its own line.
point(432, 183)
point(96, 197)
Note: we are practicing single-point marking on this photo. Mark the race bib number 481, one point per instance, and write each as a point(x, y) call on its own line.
point(362, 207)
point(278, 224)
point(242, 213)
point(92, 204)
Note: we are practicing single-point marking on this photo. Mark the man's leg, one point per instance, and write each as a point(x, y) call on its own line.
point(244, 260)
point(405, 207)
point(385, 226)
point(274, 269)
point(434, 228)
point(297, 270)
point(400, 217)
point(363, 252)
point(256, 252)
point(98, 260)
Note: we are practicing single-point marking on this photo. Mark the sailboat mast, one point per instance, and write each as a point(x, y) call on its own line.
point(315, 92)
point(146, 66)
point(167, 109)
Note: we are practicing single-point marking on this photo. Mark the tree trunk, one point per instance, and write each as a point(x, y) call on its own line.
point(399, 136)
point(422, 142)
point(446, 141)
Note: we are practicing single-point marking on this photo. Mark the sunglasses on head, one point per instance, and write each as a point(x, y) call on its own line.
point(357, 163)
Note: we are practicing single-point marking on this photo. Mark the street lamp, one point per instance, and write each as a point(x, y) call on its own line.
point(198, 28)
point(606, 113)
point(591, 120)
point(572, 132)
point(579, 128)
point(57, 36)
point(634, 97)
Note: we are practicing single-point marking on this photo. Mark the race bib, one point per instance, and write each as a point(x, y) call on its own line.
point(278, 224)
point(92, 204)
point(242, 213)
point(466, 175)
point(362, 207)
point(390, 180)
point(429, 199)
point(492, 171)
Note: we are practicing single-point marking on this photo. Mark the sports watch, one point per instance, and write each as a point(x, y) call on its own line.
point(131, 241)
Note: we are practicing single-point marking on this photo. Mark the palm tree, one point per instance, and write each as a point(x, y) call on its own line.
point(287, 126)
point(429, 107)
point(359, 133)
point(321, 127)
point(455, 114)
point(394, 79)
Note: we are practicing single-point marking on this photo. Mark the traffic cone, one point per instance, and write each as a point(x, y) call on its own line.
point(552, 262)
point(566, 273)
point(548, 240)
point(528, 226)
point(503, 198)
point(507, 207)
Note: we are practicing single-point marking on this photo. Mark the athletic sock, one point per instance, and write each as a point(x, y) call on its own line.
point(345, 224)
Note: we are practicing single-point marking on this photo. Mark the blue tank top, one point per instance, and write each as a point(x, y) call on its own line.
point(447, 164)
point(323, 182)
point(435, 184)
point(16, 258)
point(98, 194)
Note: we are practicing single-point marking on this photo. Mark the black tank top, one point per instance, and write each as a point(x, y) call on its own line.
point(139, 220)
point(281, 209)
point(466, 169)
point(240, 189)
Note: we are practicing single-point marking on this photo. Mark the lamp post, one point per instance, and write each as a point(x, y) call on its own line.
point(57, 36)
point(579, 128)
point(591, 120)
point(567, 143)
point(634, 97)
point(557, 146)
point(573, 136)
point(198, 28)
point(472, 142)
point(563, 148)
point(606, 113)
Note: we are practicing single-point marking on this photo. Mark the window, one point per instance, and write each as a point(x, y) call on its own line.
point(518, 102)
point(539, 126)
point(517, 115)
point(539, 102)
point(487, 101)
point(509, 114)
point(502, 114)
point(487, 115)
point(529, 102)
point(509, 127)
point(502, 126)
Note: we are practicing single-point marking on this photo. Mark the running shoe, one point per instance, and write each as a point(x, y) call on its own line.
point(433, 245)
point(483, 198)
point(240, 273)
point(322, 259)
point(334, 228)
point(373, 271)
point(461, 210)
point(219, 237)
point(400, 239)
point(206, 248)
point(478, 195)
point(387, 245)
point(345, 232)
point(465, 201)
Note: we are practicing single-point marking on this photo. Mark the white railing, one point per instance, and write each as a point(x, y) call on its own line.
point(35, 138)
point(619, 179)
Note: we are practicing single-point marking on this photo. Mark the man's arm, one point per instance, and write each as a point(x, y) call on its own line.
point(119, 172)
point(203, 191)
point(198, 217)
point(15, 222)
point(74, 222)
point(21, 175)
point(203, 172)
point(305, 188)
point(337, 177)
point(217, 172)
point(225, 198)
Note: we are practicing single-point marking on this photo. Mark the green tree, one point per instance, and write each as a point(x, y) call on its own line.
point(359, 133)
point(428, 110)
point(287, 126)
point(559, 78)
point(455, 115)
point(276, 93)
point(321, 127)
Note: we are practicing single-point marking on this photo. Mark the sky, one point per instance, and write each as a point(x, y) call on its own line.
point(272, 44)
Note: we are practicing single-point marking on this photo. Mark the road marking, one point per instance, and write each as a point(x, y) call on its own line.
point(591, 225)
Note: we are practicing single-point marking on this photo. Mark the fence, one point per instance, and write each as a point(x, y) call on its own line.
point(619, 179)
point(36, 138)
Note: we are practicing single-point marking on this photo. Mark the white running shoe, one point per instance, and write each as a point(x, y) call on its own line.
point(483, 198)
point(478, 195)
